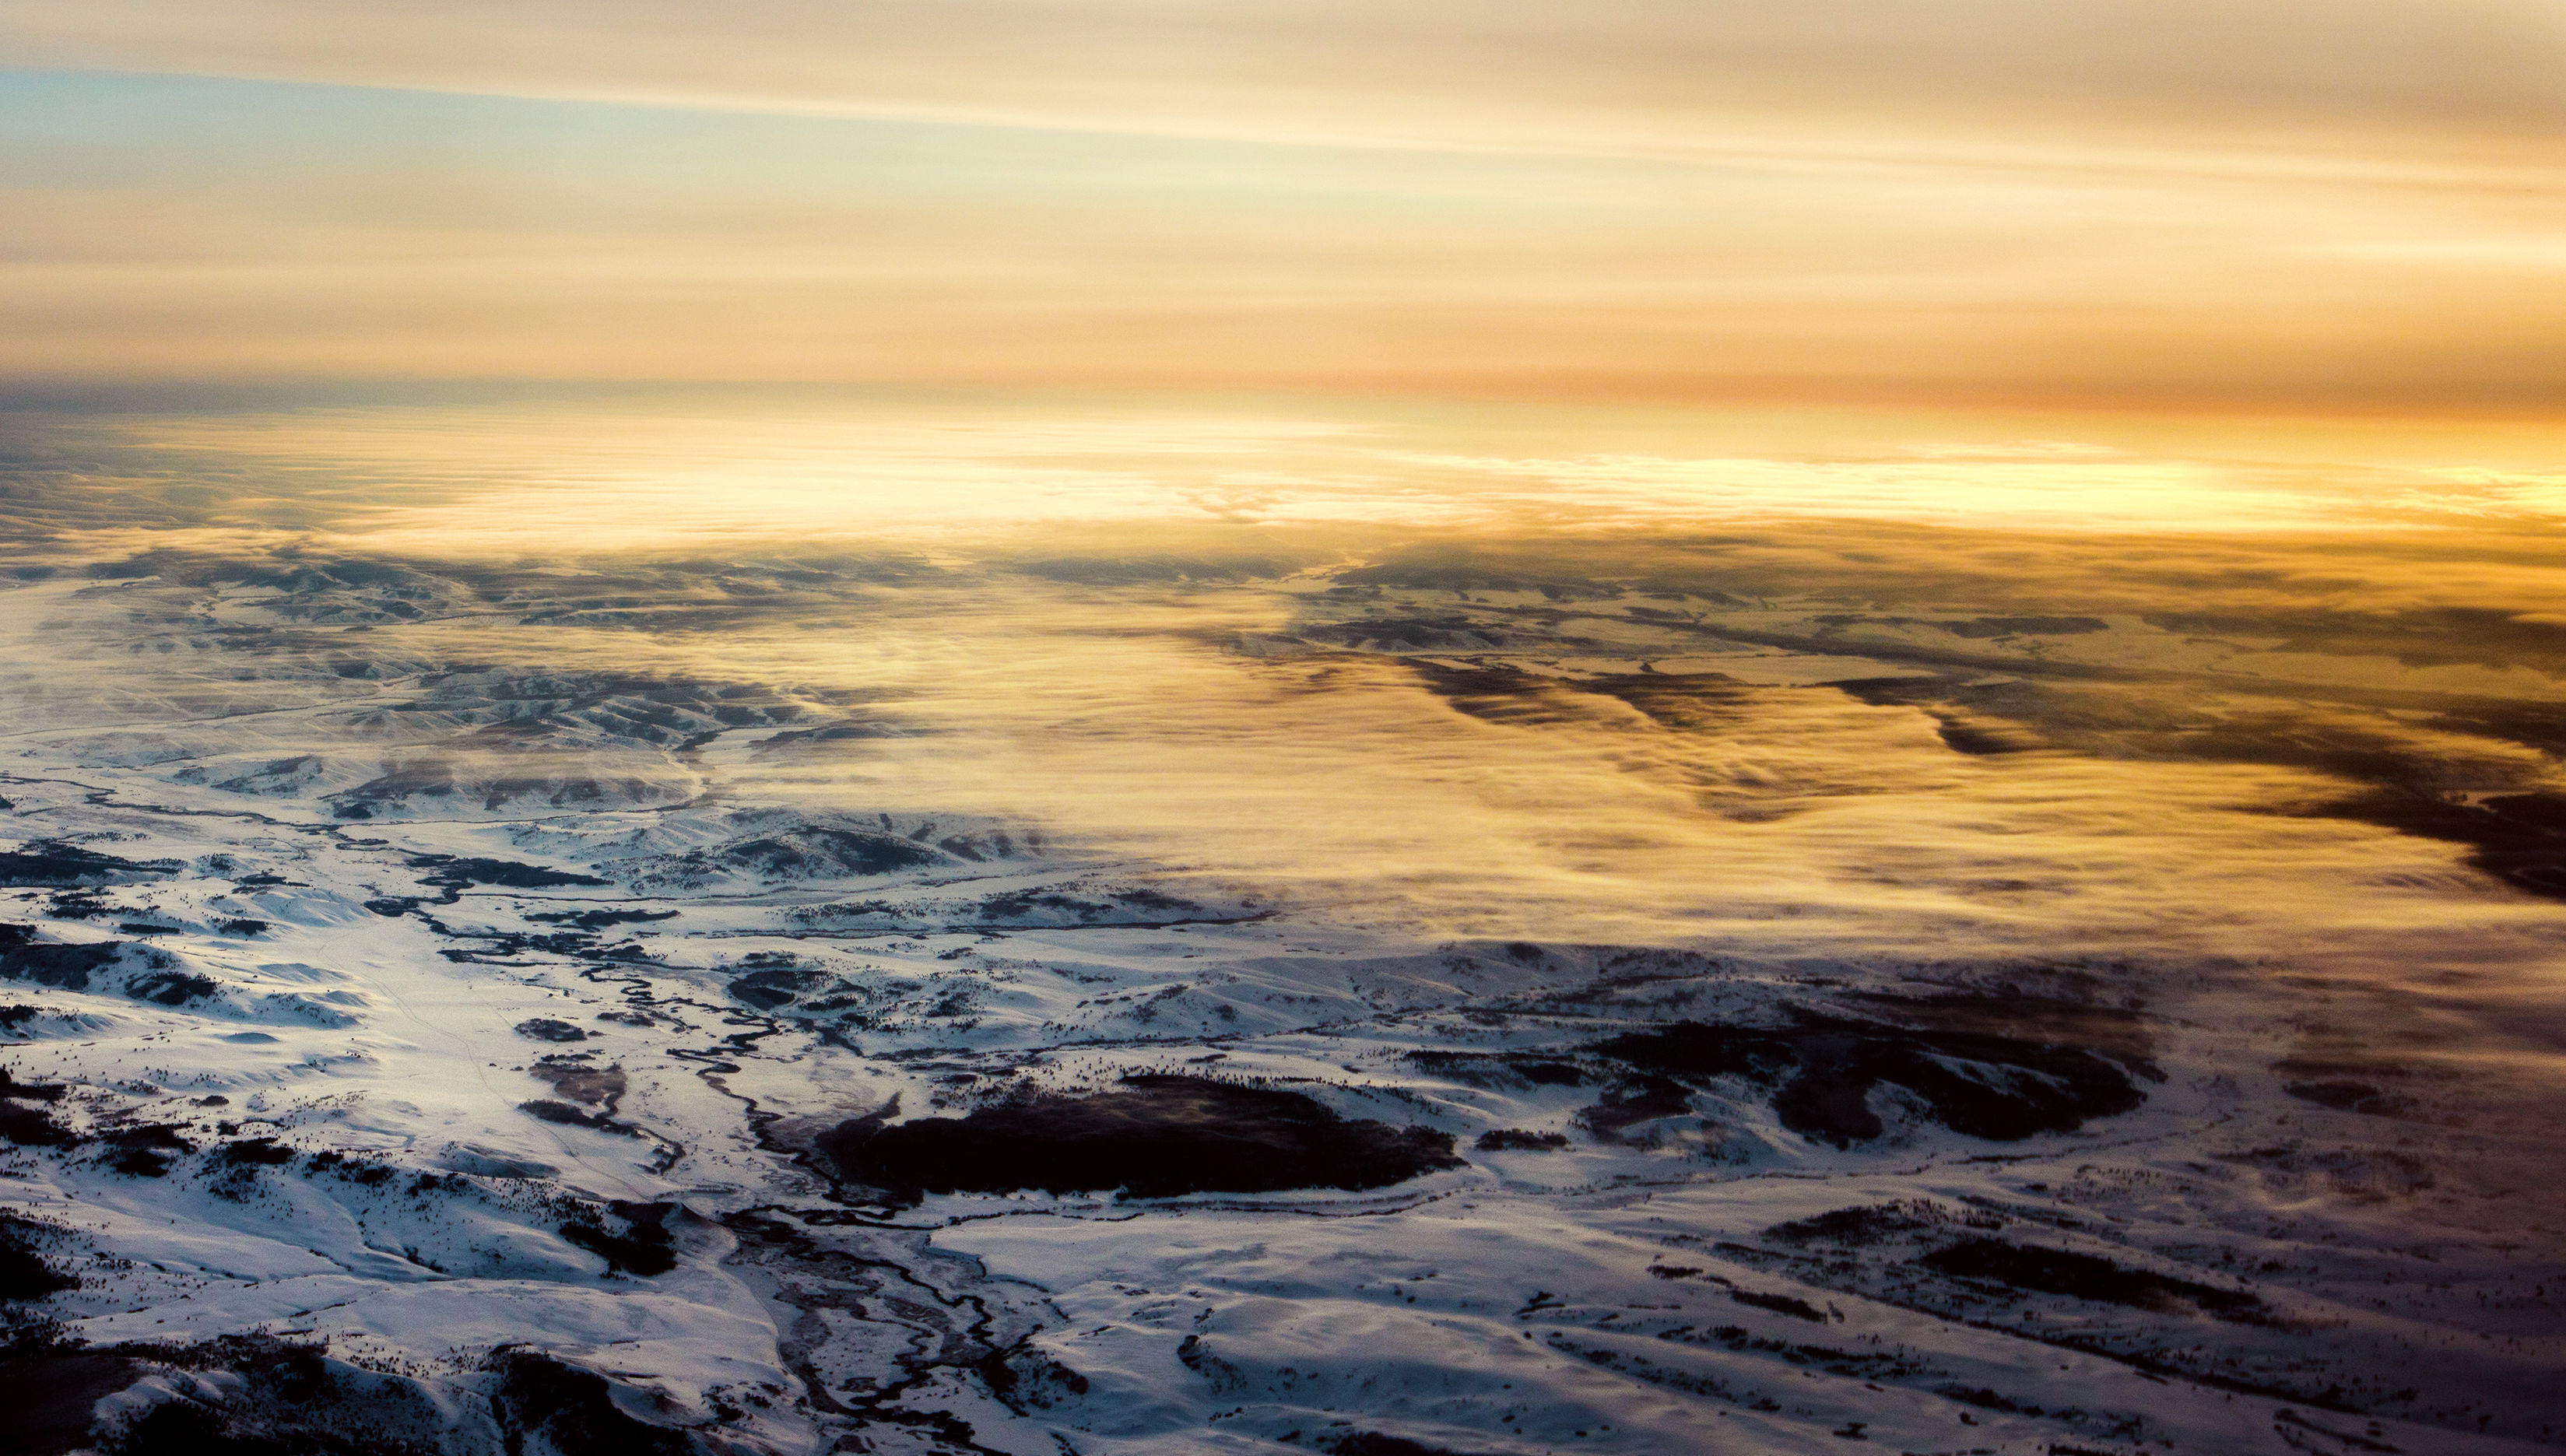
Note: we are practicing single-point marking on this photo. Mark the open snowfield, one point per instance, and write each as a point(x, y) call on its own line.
point(428, 1034)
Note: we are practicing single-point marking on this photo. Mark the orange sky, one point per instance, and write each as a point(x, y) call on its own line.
point(2358, 205)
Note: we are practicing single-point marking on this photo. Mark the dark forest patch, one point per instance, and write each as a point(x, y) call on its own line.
point(563, 1115)
point(1028, 904)
point(393, 786)
point(777, 986)
point(600, 1086)
point(32, 1091)
point(1982, 1083)
point(2532, 725)
point(1121, 907)
point(569, 1410)
point(2084, 1276)
point(53, 864)
point(144, 1151)
point(23, 958)
point(1460, 570)
point(1416, 635)
point(1876, 1223)
point(1797, 1308)
point(2040, 627)
point(31, 1127)
point(288, 1400)
point(633, 1238)
point(2123, 1033)
point(1517, 1140)
point(2345, 1094)
point(2520, 838)
point(1377, 1443)
point(50, 1394)
point(854, 729)
point(25, 1274)
point(254, 1152)
point(547, 1028)
point(1130, 571)
point(1498, 1068)
point(601, 920)
point(1153, 1137)
point(172, 988)
point(1981, 739)
point(454, 873)
point(807, 852)
point(1633, 1101)
point(2491, 637)
point(79, 904)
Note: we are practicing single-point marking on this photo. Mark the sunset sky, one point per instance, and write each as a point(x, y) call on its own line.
point(2349, 207)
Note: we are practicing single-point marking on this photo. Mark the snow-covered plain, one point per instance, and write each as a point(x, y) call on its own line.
point(427, 1036)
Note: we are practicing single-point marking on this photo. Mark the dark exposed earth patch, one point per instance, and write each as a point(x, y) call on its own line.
point(1978, 1083)
point(2084, 1276)
point(1153, 1137)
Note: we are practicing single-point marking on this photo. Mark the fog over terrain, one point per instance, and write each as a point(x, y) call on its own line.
point(786, 921)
